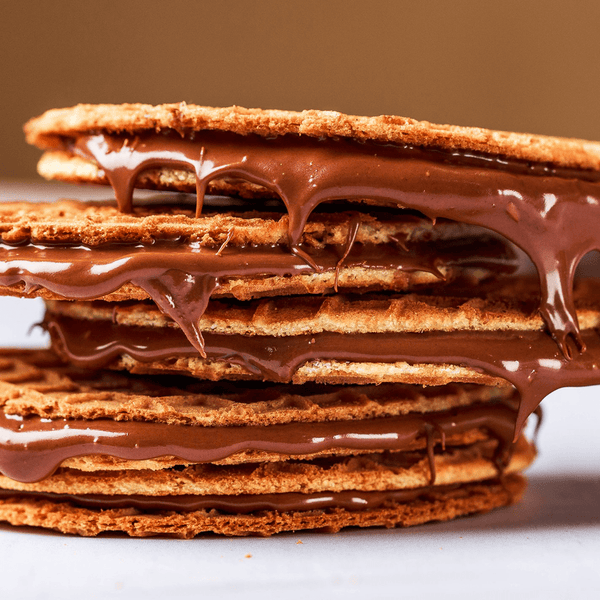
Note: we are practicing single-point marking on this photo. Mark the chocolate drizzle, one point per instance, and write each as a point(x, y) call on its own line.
point(31, 448)
point(528, 359)
point(552, 214)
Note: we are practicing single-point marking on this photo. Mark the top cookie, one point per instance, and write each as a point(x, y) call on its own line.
point(47, 130)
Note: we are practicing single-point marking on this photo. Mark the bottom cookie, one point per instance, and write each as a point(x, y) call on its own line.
point(84, 515)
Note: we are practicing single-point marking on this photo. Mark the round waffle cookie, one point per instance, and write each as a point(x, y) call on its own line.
point(64, 515)
point(48, 130)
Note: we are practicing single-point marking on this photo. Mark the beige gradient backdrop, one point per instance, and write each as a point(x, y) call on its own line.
point(517, 65)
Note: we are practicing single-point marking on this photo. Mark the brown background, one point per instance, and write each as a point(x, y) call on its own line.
point(522, 65)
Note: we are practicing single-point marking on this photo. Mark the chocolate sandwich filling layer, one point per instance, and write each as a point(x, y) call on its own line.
point(31, 448)
point(527, 359)
point(248, 503)
point(551, 213)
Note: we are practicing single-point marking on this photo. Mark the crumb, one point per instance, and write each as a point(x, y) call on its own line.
point(248, 556)
point(299, 542)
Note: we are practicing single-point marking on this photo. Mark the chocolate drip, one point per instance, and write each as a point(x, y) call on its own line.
point(552, 214)
point(183, 298)
point(353, 227)
point(31, 448)
point(243, 503)
point(429, 432)
point(528, 359)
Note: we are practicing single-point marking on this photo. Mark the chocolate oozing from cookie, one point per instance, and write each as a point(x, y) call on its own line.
point(535, 206)
point(549, 212)
point(527, 359)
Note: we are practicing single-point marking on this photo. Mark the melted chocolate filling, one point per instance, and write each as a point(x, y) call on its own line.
point(31, 448)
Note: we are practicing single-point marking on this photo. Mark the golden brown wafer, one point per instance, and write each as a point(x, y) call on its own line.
point(437, 262)
point(331, 372)
point(62, 166)
point(95, 223)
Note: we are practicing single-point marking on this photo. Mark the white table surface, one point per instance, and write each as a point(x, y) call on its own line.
point(548, 546)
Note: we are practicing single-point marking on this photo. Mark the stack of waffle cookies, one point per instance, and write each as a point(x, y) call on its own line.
point(298, 335)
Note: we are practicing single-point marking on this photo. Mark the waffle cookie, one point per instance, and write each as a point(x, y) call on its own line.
point(348, 334)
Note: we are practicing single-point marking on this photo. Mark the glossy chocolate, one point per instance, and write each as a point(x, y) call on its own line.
point(31, 448)
point(552, 214)
point(244, 503)
point(530, 360)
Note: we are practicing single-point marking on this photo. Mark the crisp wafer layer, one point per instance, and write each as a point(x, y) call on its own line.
point(508, 308)
point(63, 166)
point(38, 383)
point(96, 223)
